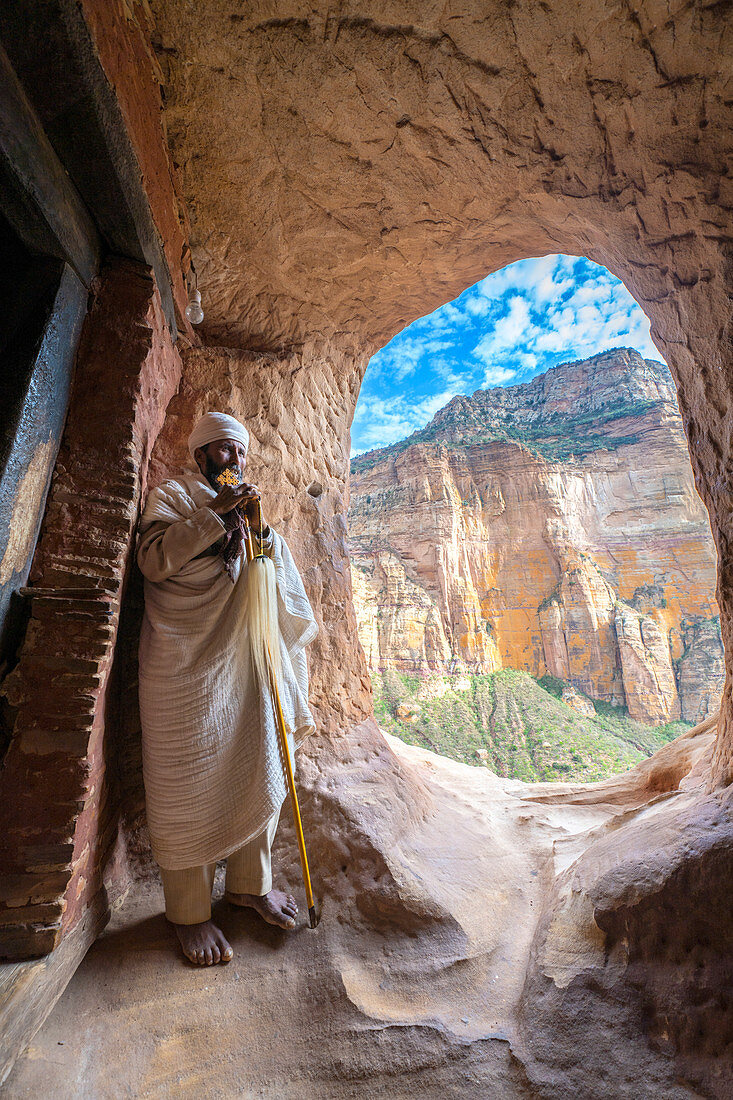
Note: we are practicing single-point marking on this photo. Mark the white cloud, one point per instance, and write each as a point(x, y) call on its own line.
point(431, 346)
point(570, 320)
point(520, 320)
point(379, 422)
point(401, 359)
point(528, 361)
point(498, 376)
point(507, 332)
point(446, 370)
point(446, 319)
point(426, 409)
point(531, 277)
point(376, 425)
point(478, 305)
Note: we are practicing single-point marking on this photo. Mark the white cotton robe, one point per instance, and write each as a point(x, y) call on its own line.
point(211, 761)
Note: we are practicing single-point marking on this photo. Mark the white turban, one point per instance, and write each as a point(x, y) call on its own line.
point(213, 426)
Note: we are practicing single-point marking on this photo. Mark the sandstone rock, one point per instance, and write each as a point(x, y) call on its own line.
point(649, 684)
point(472, 547)
point(700, 670)
point(512, 941)
point(401, 626)
point(578, 702)
point(407, 711)
point(577, 628)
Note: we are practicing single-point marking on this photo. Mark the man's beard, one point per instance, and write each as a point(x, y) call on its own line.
point(213, 469)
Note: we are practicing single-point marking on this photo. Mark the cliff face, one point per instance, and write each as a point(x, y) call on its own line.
point(552, 527)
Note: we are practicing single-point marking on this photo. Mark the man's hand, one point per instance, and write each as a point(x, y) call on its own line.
point(244, 495)
point(252, 509)
point(231, 496)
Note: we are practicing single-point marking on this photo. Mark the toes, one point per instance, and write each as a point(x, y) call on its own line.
point(208, 956)
point(215, 954)
point(222, 951)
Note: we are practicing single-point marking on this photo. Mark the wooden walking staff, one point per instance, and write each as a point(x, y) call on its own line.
point(264, 632)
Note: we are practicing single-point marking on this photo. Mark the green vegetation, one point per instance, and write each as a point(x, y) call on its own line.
point(516, 725)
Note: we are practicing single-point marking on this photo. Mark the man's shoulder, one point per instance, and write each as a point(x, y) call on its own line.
point(172, 486)
point(172, 491)
point(176, 497)
point(185, 484)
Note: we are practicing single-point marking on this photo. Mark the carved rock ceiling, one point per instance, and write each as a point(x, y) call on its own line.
point(350, 167)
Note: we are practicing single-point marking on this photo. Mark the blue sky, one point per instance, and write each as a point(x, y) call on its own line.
point(504, 330)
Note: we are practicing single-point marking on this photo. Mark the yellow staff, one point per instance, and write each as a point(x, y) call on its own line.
point(264, 632)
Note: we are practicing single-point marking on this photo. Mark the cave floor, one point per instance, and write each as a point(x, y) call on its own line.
point(370, 1000)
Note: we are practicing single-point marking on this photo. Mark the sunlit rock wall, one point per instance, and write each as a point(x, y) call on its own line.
point(295, 407)
point(488, 540)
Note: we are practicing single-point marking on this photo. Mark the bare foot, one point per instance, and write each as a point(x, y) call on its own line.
point(276, 907)
point(204, 943)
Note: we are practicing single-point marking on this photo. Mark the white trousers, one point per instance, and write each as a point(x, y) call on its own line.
point(249, 871)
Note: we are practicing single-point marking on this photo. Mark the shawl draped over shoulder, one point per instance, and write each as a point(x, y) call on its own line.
point(211, 760)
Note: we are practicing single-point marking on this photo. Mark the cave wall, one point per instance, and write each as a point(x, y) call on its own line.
point(627, 991)
point(58, 825)
point(443, 145)
point(121, 33)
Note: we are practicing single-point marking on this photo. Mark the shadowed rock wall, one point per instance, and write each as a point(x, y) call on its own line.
point(58, 822)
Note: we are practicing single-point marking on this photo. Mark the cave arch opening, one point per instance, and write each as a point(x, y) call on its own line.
point(533, 570)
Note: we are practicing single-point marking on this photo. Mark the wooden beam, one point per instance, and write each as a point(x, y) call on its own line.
point(56, 60)
point(38, 198)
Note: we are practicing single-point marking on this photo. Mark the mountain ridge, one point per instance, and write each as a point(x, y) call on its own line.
point(552, 527)
point(648, 382)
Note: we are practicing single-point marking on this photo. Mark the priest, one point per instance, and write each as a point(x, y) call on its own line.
point(214, 779)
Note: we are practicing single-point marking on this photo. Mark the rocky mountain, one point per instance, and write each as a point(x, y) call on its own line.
point(551, 527)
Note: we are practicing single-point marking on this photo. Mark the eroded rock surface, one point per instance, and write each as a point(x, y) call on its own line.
point(487, 939)
point(552, 527)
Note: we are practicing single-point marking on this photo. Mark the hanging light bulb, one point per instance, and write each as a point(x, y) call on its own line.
point(194, 312)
